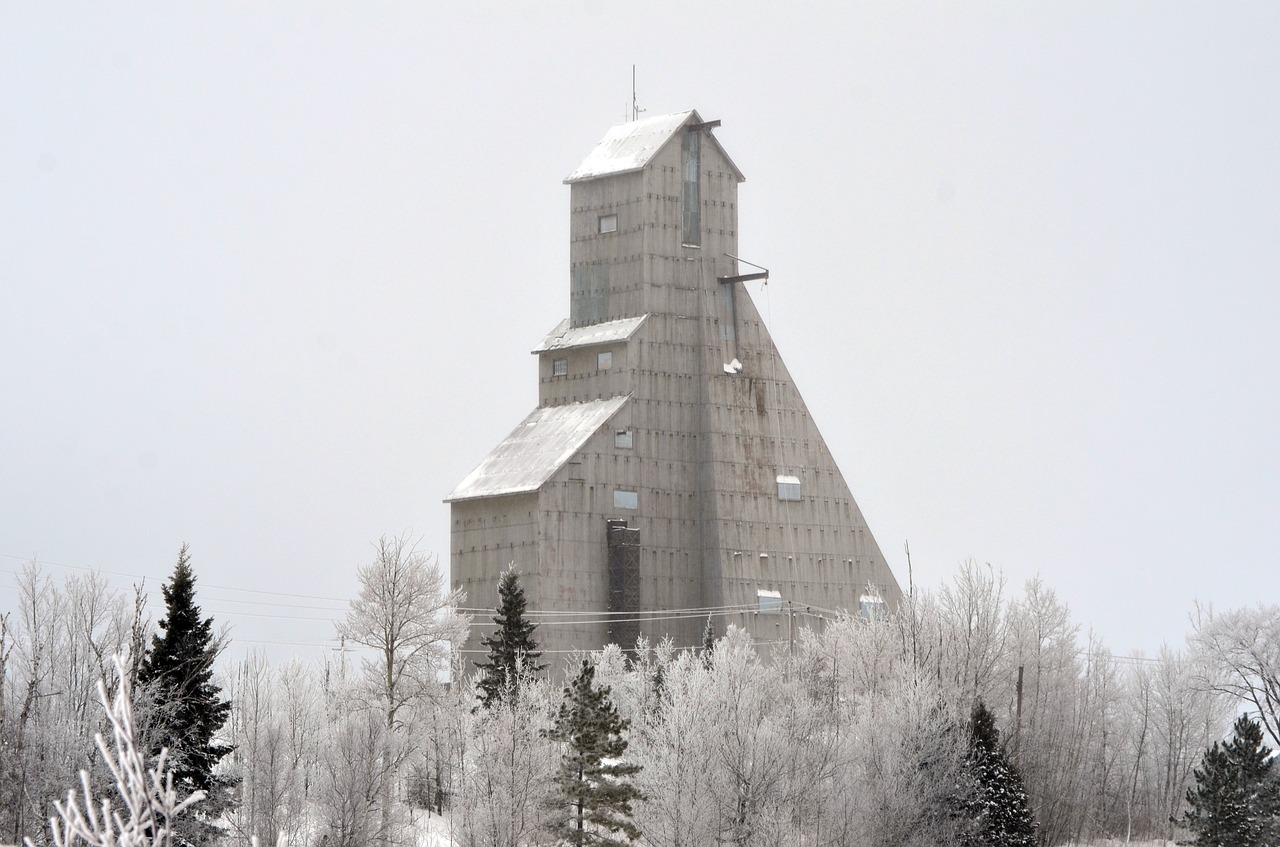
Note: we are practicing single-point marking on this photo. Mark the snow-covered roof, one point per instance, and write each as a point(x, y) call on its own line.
point(629, 147)
point(538, 447)
point(609, 332)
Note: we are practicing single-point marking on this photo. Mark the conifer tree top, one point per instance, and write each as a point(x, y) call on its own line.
point(998, 809)
point(179, 670)
point(1236, 798)
point(182, 654)
point(593, 781)
point(513, 651)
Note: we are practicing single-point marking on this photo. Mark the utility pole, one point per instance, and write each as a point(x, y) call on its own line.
point(1017, 725)
point(791, 631)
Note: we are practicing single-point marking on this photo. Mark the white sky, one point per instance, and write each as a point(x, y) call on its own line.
point(269, 276)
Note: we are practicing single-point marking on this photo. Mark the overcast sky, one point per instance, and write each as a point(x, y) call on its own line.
point(270, 275)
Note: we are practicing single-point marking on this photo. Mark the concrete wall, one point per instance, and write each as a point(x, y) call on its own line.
point(485, 537)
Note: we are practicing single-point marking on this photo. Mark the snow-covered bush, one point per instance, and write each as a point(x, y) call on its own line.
point(147, 804)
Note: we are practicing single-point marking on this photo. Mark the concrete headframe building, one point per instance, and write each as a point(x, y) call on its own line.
point(671, 470)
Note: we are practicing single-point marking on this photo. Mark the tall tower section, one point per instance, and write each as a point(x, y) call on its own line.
point(671, 471)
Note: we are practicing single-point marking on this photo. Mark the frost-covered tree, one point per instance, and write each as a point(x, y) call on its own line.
point(54, 648)
point(147, 811)
point(676, 744)
point(751, 739)
point(594, 787)
point(356, 782)
point(1236, 799)
point(971, 613)
point(275, 718)
point(1188, 718)
point(29, 736)
point(1051, 748)
point(178, 672)
point(503, 786)
point(1241, 649)
point(898, 763)
point(513, 652)
point(409, 619)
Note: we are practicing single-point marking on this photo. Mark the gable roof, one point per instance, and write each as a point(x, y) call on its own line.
point(629, 147)
point(536, 449)
point(609, 332)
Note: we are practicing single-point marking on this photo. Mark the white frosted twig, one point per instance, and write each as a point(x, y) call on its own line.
point(148, 801)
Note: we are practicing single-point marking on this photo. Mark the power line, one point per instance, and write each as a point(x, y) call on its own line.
point(692, 610)
point(87, 569)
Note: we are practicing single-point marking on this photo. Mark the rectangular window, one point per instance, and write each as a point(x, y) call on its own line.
point(622, 438)
point(691, 208)
point(604, 361)
point(871, 608)
point(559, 367)
point(770, 602)
point(607, 223)
point(788, 488)
point(625, 499)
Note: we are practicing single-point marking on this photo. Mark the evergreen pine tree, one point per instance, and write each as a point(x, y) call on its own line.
point(998, 810)
point(592, 780)
point(178, 672)
point(1236, 798)
point(708, 642)
point(512, 648)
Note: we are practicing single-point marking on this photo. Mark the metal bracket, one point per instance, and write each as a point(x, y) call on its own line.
point(743, 277)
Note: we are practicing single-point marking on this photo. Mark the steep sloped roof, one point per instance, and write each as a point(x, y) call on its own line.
point(629, 147)
point(609, 332)
point(536, 449)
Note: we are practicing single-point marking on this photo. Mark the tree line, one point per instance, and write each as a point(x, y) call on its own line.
point(972, 715)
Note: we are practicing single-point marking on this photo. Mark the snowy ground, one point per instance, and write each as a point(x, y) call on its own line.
point(433, 830)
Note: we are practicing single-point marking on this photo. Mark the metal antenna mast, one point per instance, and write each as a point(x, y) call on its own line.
point(635, 105)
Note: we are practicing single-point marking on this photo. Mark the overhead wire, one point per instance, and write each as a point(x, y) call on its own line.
point(89, 569)
point(548, 617)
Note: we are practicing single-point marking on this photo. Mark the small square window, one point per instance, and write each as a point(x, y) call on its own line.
point(625, 499)
point(623, 438)
point(770, 602)
point(607, 223)
point(788, 488)
point(604, 361)
point(559, 367)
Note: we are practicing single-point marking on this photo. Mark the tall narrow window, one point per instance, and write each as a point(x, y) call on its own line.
point(559, 367)
point(691, 211)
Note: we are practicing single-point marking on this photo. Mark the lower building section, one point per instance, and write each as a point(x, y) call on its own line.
point(593, 578)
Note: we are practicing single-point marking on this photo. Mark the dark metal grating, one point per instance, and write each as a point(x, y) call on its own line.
point(624, 584)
